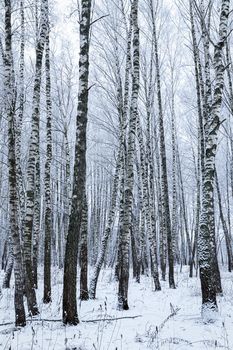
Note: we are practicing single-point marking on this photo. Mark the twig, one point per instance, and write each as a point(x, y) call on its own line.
point(111, 319)
point(98, 19)
point(173, 313)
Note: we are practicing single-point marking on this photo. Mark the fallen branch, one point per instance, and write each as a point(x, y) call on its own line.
point(83, 321)
point(6, 324)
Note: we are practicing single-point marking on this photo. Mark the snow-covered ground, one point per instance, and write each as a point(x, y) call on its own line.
point(157, 327)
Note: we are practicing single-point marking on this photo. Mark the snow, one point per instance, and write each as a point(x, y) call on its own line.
point(158, 326)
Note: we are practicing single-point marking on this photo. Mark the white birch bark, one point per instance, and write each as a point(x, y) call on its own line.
point(209, 304)
point(32, 162)
point(9, 83)
point(164, 180)
point(84, 252)
point(47, 180)
point(129, 170)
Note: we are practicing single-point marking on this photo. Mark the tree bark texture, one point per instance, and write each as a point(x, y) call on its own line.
point(20, 319)
point(70, 315)
point(209, 304)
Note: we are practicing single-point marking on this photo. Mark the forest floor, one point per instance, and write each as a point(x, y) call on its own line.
point(169, 319)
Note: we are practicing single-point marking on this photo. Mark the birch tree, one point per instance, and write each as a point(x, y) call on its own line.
point(148, 204)
point(164, 180)
point(126, 224)
point(18, 130)
point(9, 82)
point(48, 203)
point(70, 315)
point(209, 303)
point(33, 158)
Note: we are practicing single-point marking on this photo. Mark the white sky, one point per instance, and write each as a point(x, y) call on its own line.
point(65, 27)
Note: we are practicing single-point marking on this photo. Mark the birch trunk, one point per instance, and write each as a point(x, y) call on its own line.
point(20, 319)
point(129, 171)
point(32, 162)
point(164, 181)
point(18, 129)
point(47, 180)
point(175, 155)
point(183, 206)
point(84, 252)
point(152, 236)
point(209, 303)
point(198, 81)
point(198, 208)
point(21, 190)
point(148, 200)
point(162, 230)
point(205, 27)
point(70, 315)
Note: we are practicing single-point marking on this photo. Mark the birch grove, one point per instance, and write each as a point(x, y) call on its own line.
point(116, 153)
